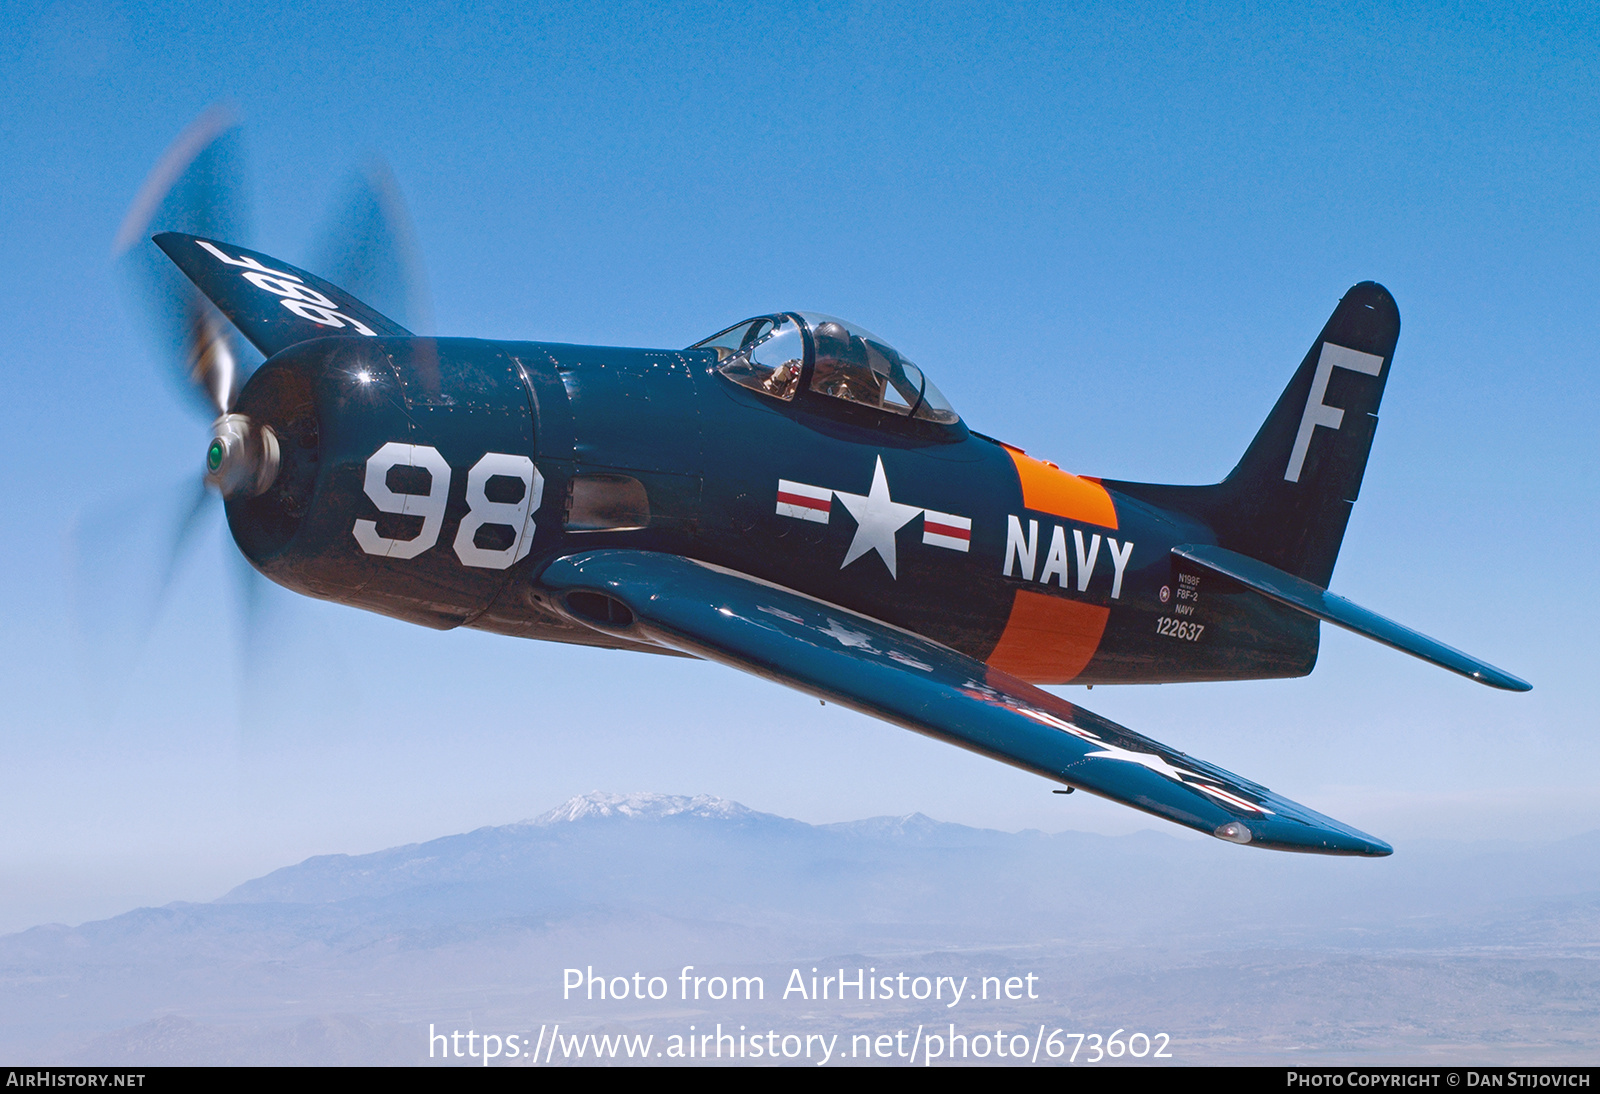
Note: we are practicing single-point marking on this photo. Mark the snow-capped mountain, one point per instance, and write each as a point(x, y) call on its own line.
point(641, 805)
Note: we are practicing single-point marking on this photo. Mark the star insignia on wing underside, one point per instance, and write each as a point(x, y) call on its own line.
point(846, 637)
point(1109, 751)
point(1143, 759)
point(1191, 779)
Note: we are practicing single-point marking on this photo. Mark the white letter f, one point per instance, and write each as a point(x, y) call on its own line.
point(1319, 413)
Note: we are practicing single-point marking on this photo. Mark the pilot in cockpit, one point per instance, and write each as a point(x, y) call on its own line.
point(842, 368)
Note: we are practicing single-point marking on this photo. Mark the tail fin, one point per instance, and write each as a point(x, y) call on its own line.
point(1289, 499)
point(272, 303)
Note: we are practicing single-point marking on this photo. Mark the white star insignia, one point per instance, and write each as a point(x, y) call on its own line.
point(846, 637)
point(878, 518)
point(1143, 759)
point(1161, 767)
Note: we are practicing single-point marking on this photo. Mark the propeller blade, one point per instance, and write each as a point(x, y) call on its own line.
point(368, 247)
point(199, 502)
point(197, 171)
point(287, 668)
point(194, 189)
point(124, 559)
point(293, 678)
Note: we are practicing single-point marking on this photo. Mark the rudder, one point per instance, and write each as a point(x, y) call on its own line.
point(1289, 499)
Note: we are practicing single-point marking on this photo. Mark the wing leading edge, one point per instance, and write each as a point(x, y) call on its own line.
point(880, 670)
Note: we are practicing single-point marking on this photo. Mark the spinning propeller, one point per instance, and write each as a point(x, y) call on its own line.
point(366, 244)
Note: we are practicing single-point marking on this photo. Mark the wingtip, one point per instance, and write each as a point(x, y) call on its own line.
point(1503, 680)
point(1363, 847)
point(1322, 837)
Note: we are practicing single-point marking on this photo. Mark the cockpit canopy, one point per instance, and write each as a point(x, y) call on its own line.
point(777, 355)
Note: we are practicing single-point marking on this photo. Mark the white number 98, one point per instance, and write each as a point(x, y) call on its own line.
point(516, 515)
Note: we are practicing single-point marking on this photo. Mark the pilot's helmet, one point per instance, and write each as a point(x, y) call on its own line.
point(842, 367)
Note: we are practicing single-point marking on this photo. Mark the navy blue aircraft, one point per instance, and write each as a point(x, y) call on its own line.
point(794, 498)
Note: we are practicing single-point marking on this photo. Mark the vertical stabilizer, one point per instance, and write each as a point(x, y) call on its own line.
point(1289, 499)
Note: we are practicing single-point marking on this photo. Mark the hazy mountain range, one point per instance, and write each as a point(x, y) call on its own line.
point(1480, 952)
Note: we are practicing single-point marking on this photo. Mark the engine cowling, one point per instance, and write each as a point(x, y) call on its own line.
point(406, 481)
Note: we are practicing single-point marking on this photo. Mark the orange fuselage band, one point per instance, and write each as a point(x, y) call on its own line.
point(1048, 489)
point(1050, 639)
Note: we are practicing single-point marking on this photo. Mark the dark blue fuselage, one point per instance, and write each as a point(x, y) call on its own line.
point(925, 526)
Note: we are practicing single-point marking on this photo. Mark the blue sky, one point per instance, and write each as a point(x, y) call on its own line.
point(1108, 236)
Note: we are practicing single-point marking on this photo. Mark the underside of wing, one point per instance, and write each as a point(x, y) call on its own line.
point(274, 305)
point(881, 670)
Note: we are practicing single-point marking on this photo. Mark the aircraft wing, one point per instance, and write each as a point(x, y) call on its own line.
point(274, 305)
point(892, 674)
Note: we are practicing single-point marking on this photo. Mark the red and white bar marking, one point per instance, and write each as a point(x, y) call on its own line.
point(1231, 799)
point(796, 499)
point(946, 530)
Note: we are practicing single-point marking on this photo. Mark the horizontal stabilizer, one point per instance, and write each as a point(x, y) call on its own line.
point(838, 655)
point(272, 303)
point(1302, 595)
